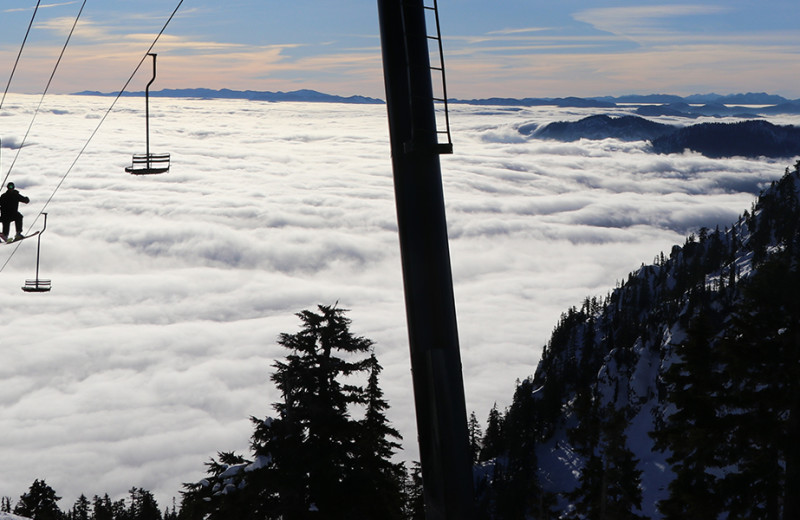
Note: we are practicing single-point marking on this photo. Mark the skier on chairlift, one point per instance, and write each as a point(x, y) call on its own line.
point(9, 211)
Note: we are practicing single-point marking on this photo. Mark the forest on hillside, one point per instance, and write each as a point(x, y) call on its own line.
point(675, 396)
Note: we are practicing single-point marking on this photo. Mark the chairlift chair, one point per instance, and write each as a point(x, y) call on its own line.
point(149, 163)
point(37, 284)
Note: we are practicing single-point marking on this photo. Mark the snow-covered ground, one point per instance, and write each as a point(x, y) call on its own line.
point(9, 516)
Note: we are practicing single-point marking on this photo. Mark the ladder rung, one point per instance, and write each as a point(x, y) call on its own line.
point(447, 147)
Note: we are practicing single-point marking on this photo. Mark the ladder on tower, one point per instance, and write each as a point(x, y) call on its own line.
point(445, 142)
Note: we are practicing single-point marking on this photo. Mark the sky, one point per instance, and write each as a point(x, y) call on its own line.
point(516, 48)
point(155, 345)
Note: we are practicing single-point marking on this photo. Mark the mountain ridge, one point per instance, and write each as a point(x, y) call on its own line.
point(252, 95)
point(570, 101)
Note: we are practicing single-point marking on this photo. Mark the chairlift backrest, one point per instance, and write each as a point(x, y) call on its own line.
point(149, 163)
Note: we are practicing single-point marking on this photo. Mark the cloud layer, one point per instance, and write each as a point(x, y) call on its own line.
point(156, 342)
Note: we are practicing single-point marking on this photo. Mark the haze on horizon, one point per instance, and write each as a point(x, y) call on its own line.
point(525, 49)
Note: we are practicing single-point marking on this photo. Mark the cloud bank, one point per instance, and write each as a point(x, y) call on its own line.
point(156, 343)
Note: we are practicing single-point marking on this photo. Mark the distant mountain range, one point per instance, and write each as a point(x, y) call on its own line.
point(654, 105)
point(712, 104)
point(751, 98)
point(252, 95)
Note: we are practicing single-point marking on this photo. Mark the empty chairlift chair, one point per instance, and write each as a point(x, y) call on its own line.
point(149, 163)
point(38, 285)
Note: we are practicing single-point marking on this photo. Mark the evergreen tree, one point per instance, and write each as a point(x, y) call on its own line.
point(761, 352)
point(374, 477)
point(143, 505)
point(39, 503)
point(692, 432)
point(119, 510)
point(475, 434)
point(314, 457)
point(492, 443)
point(610, 482)
point(320, 433)
point(622, 479)
point(81, 509)
point(588, 498)
point(415, 500)
point(171, 514)
point(102, 508)
point(224, 492)
point(516, 486)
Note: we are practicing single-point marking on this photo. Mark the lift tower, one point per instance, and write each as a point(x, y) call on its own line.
point(427, 278)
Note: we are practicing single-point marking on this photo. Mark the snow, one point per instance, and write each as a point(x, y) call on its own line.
point(9, 516)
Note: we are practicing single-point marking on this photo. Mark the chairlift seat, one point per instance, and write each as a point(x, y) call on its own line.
point(36, 285)
point(148, 164)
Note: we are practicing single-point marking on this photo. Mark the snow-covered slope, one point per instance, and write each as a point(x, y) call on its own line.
point(608, 358)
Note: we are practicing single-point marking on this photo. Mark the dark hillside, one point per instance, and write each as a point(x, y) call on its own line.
point(652, 402)
point(625, 128)
point(745, 138)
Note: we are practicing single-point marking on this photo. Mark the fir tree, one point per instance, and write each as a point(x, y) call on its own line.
point(315, 408)
point(475, 434)
point(119, 510)
point(516, 486)
point(761, 352)
point(610, 482)
point(223, 493)
point(374, 478)
point(102, 508)
point(143, 505)
point(81, 509)
point(622, 479)
point(39, 503)
point(492, 443)
point(415, 501)
point(171, 514)
point(314, 456)
point(692, 432)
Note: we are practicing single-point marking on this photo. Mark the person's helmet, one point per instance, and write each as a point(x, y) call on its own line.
point(10, 185)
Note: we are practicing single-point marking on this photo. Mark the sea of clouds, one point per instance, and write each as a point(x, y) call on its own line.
point(156, 343)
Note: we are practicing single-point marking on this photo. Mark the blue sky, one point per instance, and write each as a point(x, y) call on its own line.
point(516, 48)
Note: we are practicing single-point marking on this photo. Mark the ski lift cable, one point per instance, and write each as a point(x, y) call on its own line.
point(97, 128)
point(16, 62)
point(41, 100)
